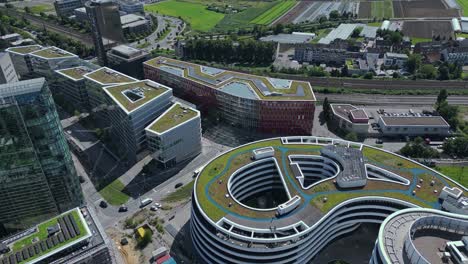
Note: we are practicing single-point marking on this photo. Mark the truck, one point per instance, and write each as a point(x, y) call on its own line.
point(145, 202)
point(159, 253)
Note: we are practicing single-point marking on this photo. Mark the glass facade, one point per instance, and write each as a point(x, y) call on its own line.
point(37, 176)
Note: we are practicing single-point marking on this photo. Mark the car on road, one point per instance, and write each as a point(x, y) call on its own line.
point(158, 205)
point(178, 185)
point(103, 204)
point(154, 208)
point(123, 209)
point(145, 202)
point(379, 141)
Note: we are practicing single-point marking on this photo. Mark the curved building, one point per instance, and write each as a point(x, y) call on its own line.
point(282, 200)
point(422, 236)
point(266, 105)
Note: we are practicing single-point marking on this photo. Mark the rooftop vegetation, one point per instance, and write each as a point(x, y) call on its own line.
point(176, 115)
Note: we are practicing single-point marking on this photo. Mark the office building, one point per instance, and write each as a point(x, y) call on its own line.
point(132, 107)
point(350, 118)
point(7, 70)
point(65, 8)
point(135, 24)
point(127, 60)
point(413, 125)
point(81, 15)
point(37, 176)
point(73, 237)
point(73, 86)
point(175, 136)
point(131, 6)
point(265, 105)
point(20, 56)
point(95, 82)
point(282, 200)
point(105, 26)
point(47, 60)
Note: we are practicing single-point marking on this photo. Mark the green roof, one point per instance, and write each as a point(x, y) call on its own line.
point(211, 184)
point(109, 76)
point(25, 49)
point(52, 53)
point(147, 93)
point(41, 235)
point(176, 115)
point(76, 73)
point(220, 78)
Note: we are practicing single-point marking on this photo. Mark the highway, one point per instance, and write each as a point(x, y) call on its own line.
point(378, 99)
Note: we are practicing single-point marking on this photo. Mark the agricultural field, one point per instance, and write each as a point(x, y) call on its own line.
point(313, 10)
point(382, 9)
point(242, 19)
point(271, 15)
point(196, 14)
point(424, 30)
point(423, 8)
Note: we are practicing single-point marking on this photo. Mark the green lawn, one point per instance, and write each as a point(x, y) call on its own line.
point(457, 173)
point(113, 194)
point(279, 9)
point(199, 18)
point(382, 9)
point(374, 24)
point(321, 33)
point(414, 41)
point(464, 6)
point(181, 194)
point(41, 8)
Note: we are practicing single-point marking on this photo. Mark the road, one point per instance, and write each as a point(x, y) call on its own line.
point(110, 216)
point(377, 99)
point(167, 41)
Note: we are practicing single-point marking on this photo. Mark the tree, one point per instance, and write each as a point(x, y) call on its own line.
point(413, 63)
point(356, 32)
point(27, 9)
point(327, 111)
point(345, 71)
point(369, 75)
point(351, 136)
point(456, 147)
point(449, 113)
point(444, 73)
point(442, 97)
point(334, 15)
point(146, 239)
point(419, 149)
point(428, 71)
point(278, 28)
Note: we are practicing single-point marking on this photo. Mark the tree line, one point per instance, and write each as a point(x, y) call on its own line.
point(228, 51)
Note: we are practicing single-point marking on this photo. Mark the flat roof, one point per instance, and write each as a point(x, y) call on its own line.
point(177, 114)
point(414, 121)
point(107, 76)
point(53, 53)
point(76, 73)
point(130, 96)
point(39, 244)
point(25, 49)
point(262, 87)
point(344, 110)
point(211, 185)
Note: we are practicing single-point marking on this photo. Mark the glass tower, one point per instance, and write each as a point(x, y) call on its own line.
point(37, 176)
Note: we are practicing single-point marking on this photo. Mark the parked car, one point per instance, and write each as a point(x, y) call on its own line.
point(103, 204)
point(145, 202)
point(123, 209)
point(178, 185)
point(154, 208)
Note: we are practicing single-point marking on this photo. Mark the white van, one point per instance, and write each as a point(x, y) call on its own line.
point(145, 202)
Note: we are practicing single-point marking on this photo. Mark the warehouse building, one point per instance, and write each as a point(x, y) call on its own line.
point(413, 125)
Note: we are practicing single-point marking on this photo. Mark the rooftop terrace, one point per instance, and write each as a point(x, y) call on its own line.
point(132, 95)
point(48, 238)
point(76, 73)
point(263, 88)
point(173, 117)
point(25, 49)
point(53, 53)
point(211, 185)
point(106, 76)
